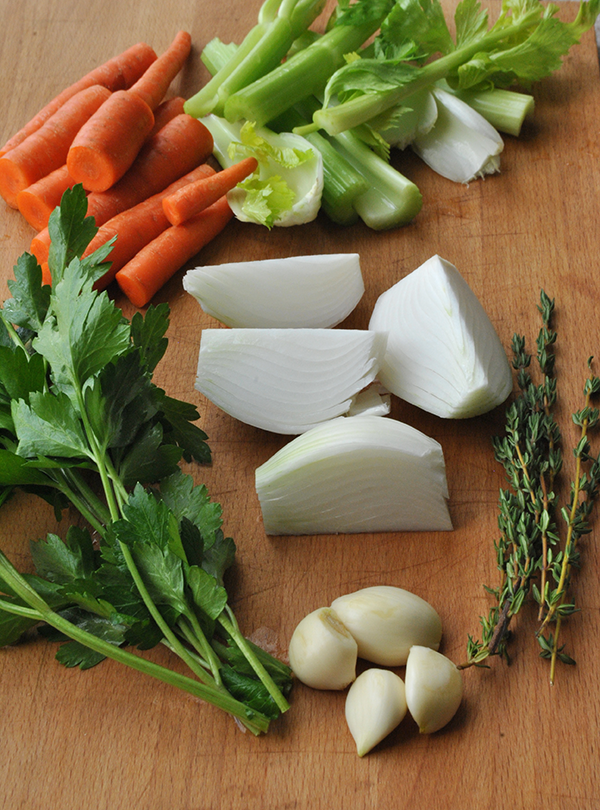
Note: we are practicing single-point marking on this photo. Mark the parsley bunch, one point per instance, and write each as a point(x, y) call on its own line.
point(82, 424)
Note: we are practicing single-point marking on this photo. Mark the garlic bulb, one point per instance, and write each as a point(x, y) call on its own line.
point(443, 354)
point(293, 292)
point(434, 688)
point(375, 706)
point(387, 621)
point(322, 652)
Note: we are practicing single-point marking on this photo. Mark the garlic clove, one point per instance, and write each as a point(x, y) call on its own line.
point(375, 706)
point(434, 688)
point(387, 621)
point(322, 651)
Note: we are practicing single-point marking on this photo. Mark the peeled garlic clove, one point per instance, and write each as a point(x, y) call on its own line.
point(434, 688)
point(375, 705)
point(387, 621)
point(322, 652)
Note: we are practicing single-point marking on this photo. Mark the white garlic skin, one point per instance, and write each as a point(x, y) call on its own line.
point(434, 688)
point(322, 652)
point(387, 621)
point(375, 706)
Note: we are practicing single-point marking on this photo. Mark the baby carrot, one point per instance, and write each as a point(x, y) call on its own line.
point(155, 264)
point(46, 149)
point(39, 200)
point(106, 146)
point(137, 226)
point(118, 73)
point(195, 197)
point(181, 145)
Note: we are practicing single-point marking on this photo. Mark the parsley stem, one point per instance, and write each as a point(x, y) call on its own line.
point(253, 720)
point(231, 627)
point(204, 647)
point(171, 637)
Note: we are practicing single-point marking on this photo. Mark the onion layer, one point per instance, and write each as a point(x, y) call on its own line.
point(357, 474)
point(287, 380)
point(443, 353)
point(300, 291)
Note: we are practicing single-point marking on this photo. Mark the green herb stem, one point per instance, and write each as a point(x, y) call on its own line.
point(254, 721)
point(230, 625)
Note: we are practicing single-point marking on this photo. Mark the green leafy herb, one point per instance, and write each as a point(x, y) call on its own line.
point(82, 423)
point(414, 49)
point(533, 558)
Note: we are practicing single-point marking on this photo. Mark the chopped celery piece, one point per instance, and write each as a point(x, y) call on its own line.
point(306, 72)
point(391, 199)
point(506, 110)
point(216, 54)
point(262, 49)
point(526, 44)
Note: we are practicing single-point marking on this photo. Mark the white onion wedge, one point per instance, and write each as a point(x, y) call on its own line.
point(461, 145)
point(287, 380)
point(357, 474)
point(443, 353)
point(299, 291)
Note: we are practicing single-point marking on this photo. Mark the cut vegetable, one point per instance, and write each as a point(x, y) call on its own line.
point(286, 380)
point(357, 474)
point(286, 188)
point(299, 291)
point(107, 144)
point(118, 73)
point(443, 353)
point(46, 149)
point(461, 145)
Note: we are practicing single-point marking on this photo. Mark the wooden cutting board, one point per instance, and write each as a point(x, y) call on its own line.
point(109, 738)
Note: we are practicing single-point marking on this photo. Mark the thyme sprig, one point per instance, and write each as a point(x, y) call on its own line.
point(531, 555)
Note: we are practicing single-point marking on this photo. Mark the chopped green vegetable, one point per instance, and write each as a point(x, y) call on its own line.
point(81, 422)
point(526, 44)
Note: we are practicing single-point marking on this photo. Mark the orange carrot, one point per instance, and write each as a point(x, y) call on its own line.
point(40, 247)
point(46, 149)
point(118, 73)
point(175, 150)
point(106, 146)
point(109, 142)
point(46, 275)
point(165, 112)
point(39, 200)
point(156, 263)
point(138, 226)
point(195, 197)
point(153, 85)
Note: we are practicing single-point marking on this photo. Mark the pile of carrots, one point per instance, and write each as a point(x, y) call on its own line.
point(141, 160)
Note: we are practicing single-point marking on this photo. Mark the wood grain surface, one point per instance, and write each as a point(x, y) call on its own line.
point(108, 738)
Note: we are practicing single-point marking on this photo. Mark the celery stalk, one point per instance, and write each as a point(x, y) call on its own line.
point(506, 110)
point(303, 75)
point(262, 50)
point(391, 199)
point(216, 54)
